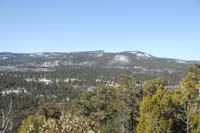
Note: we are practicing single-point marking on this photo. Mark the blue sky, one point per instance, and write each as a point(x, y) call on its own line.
point(164, 28)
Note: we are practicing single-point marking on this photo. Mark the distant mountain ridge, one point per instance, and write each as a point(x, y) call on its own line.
point(136, 61)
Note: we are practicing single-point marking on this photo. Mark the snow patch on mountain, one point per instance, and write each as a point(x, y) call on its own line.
point(181, 61)
point(4, 58)
point(140, 55)
point(121, 59)
point(39, 54)
point(51, 64)
point(15, 91)
point(86, 63)
point(99, 55)
point(30, 80)
point(46, 81)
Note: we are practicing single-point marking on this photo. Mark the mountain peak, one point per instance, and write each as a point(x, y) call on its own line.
point(140, 54)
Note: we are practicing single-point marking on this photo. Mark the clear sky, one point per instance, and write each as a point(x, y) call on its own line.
point(164, 28)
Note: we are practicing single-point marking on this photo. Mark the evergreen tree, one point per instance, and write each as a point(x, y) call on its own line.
point(101, 106)
point(150, 87)
point(155, 113)
point(187, 100)
point(131, 94)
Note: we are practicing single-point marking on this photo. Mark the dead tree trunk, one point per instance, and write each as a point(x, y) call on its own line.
point(6, 121)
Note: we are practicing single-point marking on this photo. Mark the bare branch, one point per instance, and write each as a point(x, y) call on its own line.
point(10, 108)
point(195, 108)
point(6, 126)
point(182, 120)
point(11, 125)
point(6, 123)
point(3, 119)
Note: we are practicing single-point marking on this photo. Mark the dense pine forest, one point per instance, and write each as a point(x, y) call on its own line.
point(125, 105)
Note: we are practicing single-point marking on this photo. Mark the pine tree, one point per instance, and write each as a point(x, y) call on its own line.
point(131, 95)
point(155, 113)
point(101, 106)
point(187, 100)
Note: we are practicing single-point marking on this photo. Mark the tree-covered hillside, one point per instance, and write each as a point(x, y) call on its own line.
point(131, 107)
